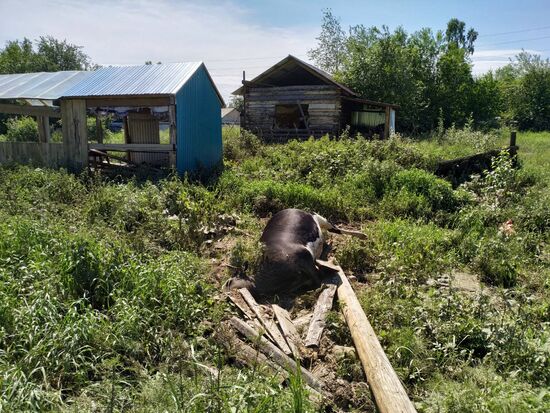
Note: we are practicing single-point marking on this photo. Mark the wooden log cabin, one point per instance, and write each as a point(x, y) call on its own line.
point(294, 99)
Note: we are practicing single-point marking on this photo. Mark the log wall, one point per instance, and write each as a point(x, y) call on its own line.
point(324, 108)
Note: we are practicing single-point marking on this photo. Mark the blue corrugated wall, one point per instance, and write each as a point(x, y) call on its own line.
point(199, 125)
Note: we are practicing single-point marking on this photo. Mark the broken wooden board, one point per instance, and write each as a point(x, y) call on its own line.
point(275, 353)
point(289, 330)
point(270, 327)
point(236, 298)
point(318, 321)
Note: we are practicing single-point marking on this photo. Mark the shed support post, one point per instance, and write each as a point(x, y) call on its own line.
point(75, 136)
point(43, 128)
point(173, 135)
point(98, 128)
point(387, 123)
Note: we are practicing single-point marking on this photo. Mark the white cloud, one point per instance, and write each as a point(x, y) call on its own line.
point(485, 60)
point(131, 32)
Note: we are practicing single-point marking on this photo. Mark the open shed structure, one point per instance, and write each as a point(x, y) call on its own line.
point(294, 99)
point(181, 94)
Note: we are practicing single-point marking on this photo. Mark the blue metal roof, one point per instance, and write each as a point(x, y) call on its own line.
point(42, 85)
point(159, 79)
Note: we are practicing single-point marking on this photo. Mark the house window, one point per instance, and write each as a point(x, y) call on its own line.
point(291, 116)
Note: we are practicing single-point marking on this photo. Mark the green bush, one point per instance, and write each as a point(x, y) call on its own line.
point(22, 129)
point(418, 194)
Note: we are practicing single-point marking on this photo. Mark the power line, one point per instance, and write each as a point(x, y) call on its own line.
point(516, 41)
point(515, 31)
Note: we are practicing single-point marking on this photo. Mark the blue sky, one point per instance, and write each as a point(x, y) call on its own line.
point(231, 36)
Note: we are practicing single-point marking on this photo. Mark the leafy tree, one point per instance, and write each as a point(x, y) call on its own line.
point(330, 50)
point(426, 73)
point(46, 55)
point(525, 86)
point(456, 35)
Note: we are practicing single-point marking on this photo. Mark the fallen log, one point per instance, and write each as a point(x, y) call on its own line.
point(289, 330)
point(389, 394)
point(275, 353)
point(317, 323)
point(270, 327)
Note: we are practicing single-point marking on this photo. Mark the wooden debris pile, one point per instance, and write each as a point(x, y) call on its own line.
point(267, 336)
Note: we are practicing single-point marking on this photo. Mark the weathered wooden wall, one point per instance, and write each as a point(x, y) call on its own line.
point(75, 136)
point(144, 128)
point(33, 153)
point(324, 110)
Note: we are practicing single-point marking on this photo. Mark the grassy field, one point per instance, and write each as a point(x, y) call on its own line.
point(109, 287)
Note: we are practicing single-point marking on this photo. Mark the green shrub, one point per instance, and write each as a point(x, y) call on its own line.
point(497, 261)
point(418, 194)
point(22, 129)
point(239, 144)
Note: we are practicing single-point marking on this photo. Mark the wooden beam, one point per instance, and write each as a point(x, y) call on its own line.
point(98, 128)
point(29, 110)
point(317, 323)
point(274, 353)
point(289, 330)
point(388, 391)
point(173, 134)
point(113, 101)
point(268, 324)
point(387, 123)
point(43, 123)
point(132, 147)
point(75, 135)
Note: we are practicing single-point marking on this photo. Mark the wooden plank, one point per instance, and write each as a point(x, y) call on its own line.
point(388, 391)
point(98, 128)
point(275, 353)
point(236, 298)
point(267, 323)
point(387, 123)
point(137, 147)
point(246, 354)
point(173, 134)
point(133, 101)
point(289, 330)
point(317, 324)
point(302, 322)
point(29, 110)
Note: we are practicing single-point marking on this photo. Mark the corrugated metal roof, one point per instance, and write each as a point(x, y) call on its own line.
point(161, 79)
point(42, 85)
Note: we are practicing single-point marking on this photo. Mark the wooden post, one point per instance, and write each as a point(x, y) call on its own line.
point(243, 114)
point(43, 123)
point(513, 138)
point(75, 136)
point(388, 391)
point(387, 123)
point(98, 128)
point(173, 135)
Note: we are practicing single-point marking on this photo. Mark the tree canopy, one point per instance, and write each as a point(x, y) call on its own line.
point(429, 74)
point(46, 54)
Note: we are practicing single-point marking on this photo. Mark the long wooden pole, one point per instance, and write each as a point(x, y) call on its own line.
point(389, 393)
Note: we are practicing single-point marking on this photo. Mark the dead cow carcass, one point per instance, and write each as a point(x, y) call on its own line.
point(293, 241)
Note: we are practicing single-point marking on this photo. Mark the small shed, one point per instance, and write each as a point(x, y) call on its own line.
point(183, 94)
point(294, 99)
point(231, 116)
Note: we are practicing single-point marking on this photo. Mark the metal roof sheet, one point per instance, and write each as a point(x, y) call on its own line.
point(42, 85)
point(159, 79)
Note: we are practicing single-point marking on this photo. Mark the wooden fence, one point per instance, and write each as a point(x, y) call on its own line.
point(33, 153)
